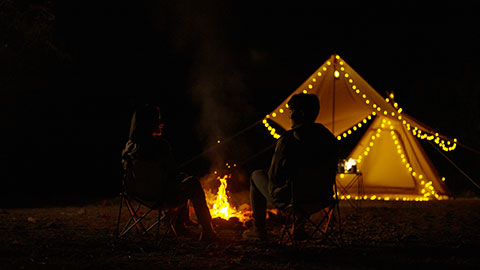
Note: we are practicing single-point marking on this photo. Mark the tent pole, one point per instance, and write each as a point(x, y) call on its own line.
point(333, 101)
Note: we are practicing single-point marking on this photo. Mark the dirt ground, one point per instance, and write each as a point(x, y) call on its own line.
point(377, 235)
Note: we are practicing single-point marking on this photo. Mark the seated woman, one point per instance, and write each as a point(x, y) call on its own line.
point(151, 173)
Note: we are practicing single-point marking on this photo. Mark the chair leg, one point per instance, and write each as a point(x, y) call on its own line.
point(142, 219)
point(339, 226)
point(168, 219)
point(133, 217)
point(286, 229)
point(319, 226)
point(117, 232)
point(292, 223)
point(328, 228)
point(159, 219)
point(331, 230)
point(328, 218)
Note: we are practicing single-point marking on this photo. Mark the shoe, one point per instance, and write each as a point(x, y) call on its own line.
point(255, 233)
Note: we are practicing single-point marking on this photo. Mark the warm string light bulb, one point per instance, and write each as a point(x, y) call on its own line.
point(309, 85)
point(426, 188)
point(356, 127)
point(445, 145)
point(271, 129)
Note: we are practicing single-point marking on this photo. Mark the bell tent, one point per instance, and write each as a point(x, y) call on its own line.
point(389, 160)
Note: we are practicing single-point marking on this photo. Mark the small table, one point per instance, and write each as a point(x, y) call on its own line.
point(343, 189)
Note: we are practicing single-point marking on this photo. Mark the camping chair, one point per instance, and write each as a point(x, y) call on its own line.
point(319, 223)
point(140, 215)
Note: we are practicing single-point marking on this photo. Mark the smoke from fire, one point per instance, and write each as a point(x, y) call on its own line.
point(216, 84)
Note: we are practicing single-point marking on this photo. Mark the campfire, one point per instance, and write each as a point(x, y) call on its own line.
point(219, 204)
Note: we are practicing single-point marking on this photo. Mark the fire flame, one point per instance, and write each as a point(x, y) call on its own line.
point(221, 208)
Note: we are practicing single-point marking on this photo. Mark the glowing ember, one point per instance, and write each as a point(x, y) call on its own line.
point(220, 207)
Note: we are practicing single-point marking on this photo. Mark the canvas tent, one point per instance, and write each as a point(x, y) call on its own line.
point(391, 162)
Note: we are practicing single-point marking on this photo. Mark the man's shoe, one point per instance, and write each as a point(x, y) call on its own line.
point(255, 233)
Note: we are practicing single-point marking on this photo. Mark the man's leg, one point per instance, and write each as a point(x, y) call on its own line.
point(259, 196)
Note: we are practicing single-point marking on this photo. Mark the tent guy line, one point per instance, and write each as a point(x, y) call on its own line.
point(356, 102)
point(456, 167)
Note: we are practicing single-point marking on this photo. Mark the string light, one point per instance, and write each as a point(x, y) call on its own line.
point(310, 86)
point(355, 127)
point(426, 188)
point(270, 128)
point(394, 112)
point(445, 145)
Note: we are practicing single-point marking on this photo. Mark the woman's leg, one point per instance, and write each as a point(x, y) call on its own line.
point(191, 188)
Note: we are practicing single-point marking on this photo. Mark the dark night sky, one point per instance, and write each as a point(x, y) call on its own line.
point(215, 68)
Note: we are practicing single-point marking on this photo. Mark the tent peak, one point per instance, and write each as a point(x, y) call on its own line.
point(391, 161)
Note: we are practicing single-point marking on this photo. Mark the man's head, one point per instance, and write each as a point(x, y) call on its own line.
point(304, 109)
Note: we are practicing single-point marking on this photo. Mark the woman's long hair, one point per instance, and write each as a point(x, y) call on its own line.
point(146, 124)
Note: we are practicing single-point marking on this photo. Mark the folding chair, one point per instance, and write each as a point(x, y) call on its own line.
point(153, 220)
point(319, 223)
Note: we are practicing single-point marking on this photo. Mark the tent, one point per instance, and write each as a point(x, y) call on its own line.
point(391, 163)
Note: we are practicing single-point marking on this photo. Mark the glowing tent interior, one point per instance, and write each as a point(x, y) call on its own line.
point(391, 164)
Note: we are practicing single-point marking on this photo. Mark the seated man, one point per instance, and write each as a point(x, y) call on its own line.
point(306, 155)
point(152, 175)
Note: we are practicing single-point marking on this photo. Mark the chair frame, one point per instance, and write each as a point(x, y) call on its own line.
point(139, 211)
point(322, 231)
point(134, 205)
